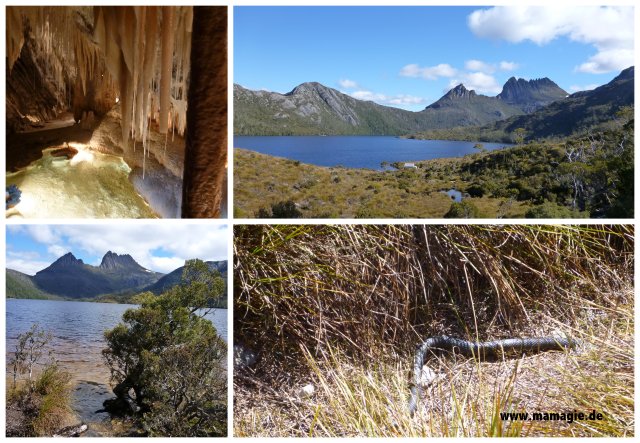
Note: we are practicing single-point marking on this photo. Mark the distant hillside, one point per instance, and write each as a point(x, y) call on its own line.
point(314, 109)
point(462, 107)
point(71, 278)
point(117, 279)
point(19, 285)
point(174, 278)
point(574, 115)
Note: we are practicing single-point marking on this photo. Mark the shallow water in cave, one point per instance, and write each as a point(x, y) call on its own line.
point(90, 185)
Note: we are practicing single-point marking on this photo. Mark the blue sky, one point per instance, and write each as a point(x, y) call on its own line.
point(410, 56)
point(160, 247)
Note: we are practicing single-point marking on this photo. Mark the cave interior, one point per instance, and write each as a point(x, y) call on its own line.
point(98, 91)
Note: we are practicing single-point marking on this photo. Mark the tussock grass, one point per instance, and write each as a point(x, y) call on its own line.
point(261, 180)
point(43, 410)
point(342, 307)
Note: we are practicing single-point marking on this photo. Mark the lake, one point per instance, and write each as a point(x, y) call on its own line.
point(357, 151)
point(77, 329)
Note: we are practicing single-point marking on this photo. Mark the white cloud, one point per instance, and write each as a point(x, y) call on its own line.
point(478, 65)
point(609, 29)
point(404, 99)
point(167, 263)
point(393, 100)
point(57, 250)
point(508, 66)
point(428, 72)
point(607, 61)
point(42, 233)
point(29, 267)
point(478, 81)
point(489, 68)
point(27, 262)
point(147, 244)
point(347, 84)
point(576, 88)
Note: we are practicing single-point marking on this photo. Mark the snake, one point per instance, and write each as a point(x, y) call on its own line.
point(482, 351)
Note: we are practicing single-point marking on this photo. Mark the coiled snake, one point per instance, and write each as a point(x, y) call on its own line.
point(487, 350)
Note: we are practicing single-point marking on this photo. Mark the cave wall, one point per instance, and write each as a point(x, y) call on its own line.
point(51, 66)
point(31, 97)
point(87, 59)
point(94, 96)
point(156, 171)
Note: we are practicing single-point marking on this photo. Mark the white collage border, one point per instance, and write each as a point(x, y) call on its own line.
point(230, 221)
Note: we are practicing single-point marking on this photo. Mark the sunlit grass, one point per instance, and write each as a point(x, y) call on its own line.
point(261, 181)
point(342, 308)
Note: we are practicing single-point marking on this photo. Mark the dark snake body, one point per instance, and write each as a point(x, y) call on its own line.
point(483, 351)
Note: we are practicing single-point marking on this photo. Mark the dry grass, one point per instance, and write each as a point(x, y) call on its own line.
point(261, 180)
point(45, 409)
point(342, 307)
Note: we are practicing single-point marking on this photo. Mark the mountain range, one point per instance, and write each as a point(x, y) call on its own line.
point(577, 112)
point(71, 278)
point(315, 109)
point(574, 115)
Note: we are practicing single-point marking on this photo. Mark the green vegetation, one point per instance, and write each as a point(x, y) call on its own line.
point(342, 307)
point(463, 209)
point(574, 157)
point(21, 285)
point(341, 192)
point(586, 176)
point(285, 209)
point(172, 359)
point(38, 400)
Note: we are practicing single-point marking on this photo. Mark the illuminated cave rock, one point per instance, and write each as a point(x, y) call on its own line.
point(125, 73)
point(156, 171)
point(64, 151)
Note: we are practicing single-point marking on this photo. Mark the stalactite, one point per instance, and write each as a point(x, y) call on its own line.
point(123, 46)
point(15, 35)
point(166, 66)
point(140, 54)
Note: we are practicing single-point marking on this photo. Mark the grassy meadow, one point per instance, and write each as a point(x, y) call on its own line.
point(261, 181)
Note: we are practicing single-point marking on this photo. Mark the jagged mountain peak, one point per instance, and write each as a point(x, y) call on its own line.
point(531, 94)
point(459, 92)
point(111, 261)
point(66, 260)
point(625, 74)
point(459, 96)
point(536, 83)
point(70, 277)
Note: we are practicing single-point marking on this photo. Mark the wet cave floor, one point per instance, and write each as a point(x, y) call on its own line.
point(87, 185)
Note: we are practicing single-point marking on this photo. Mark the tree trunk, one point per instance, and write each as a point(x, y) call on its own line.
point(206, 138)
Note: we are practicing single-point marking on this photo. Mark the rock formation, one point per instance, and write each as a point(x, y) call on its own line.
point(129, 66)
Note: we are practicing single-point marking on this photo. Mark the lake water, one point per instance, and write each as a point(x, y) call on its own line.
point(77, 329)
point(357, 151)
